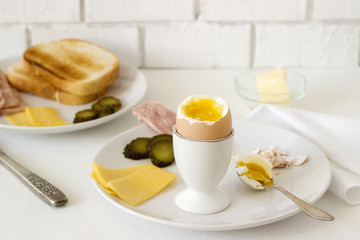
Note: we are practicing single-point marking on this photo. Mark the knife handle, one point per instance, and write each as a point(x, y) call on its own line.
point(39, 186)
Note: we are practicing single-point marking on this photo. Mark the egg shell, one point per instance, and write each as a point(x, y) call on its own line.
point(202, 131)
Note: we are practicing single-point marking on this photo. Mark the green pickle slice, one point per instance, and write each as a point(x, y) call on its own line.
point(101, 108)
point(137, 149)
point(85, 115)
point(158, 148)
point(97, 107)
point(158, 138)
point(110, 102)
point(161, 153)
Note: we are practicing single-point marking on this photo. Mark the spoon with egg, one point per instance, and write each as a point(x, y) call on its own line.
point(255, 172)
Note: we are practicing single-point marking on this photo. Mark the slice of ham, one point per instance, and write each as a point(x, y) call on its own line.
point(15, 109)
point(2, 100)
point(156, 116)
point(10, 98)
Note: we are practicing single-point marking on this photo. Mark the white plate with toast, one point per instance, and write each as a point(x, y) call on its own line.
point(129, 87)
point(248, 208)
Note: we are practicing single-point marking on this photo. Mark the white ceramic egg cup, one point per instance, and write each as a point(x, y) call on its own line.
point(202, 164)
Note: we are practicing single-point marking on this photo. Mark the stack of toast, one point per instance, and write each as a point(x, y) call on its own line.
point(71, 71)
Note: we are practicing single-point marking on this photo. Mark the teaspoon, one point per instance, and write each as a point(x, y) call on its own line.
point(308, 208)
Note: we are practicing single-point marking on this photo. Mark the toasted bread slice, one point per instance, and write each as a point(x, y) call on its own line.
point(25, 81)
point(73, 66)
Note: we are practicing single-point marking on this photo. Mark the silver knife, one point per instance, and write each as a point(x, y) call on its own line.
point(42, 188)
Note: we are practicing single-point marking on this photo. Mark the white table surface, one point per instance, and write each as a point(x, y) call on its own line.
point(65, 160)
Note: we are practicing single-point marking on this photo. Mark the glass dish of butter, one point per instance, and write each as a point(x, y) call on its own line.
point(270, 86)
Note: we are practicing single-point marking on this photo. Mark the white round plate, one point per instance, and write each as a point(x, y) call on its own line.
point(248, 208)
point(129, 87)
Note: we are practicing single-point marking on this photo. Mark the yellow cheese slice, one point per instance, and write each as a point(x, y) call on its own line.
point(43, 116)
point(19, 119)
point(142, 184)
point(104, 175)
point(272, 86)
point(107, 190)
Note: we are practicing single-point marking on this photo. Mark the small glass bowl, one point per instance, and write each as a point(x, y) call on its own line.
point(246, 88)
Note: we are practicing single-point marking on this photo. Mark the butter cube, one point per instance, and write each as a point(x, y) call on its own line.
point(272, 86)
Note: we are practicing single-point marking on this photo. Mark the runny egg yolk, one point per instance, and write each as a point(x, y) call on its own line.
point(257, 170)
point(203, 109)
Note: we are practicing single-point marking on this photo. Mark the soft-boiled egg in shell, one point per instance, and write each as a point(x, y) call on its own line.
point(204, 117)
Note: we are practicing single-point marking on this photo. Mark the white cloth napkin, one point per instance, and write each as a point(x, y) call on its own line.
point(338, 137)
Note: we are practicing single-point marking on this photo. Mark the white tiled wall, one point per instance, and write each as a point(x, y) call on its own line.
point(193, 33)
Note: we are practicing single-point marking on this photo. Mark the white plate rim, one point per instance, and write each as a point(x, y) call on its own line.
point(140, 85)
point(220, 227)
